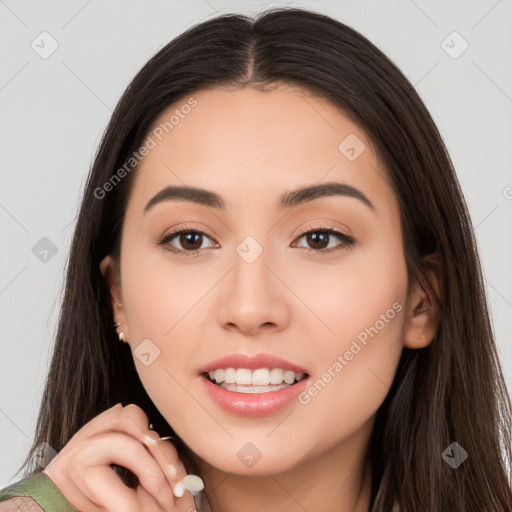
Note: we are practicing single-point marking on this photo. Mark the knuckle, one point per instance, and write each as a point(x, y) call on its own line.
point(131, 421)
point(133, 409)
point(157, 479)
point(136, 414)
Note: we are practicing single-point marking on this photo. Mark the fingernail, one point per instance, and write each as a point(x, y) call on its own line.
point(178, 490)
point(149, 440)
point(172, 472)
point(191, 483)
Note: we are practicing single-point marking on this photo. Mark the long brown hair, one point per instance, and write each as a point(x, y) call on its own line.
point(450, 391)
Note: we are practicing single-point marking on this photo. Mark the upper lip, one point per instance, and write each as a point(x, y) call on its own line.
point(252, 362)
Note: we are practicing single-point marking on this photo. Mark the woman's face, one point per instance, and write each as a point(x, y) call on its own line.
point(254, 282)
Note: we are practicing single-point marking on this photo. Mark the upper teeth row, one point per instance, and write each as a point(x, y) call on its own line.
point(259, 377)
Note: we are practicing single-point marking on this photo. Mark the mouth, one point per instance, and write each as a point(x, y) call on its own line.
point(260, 380)
point(253, 386)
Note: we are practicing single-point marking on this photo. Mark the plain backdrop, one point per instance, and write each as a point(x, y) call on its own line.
point(54, 109)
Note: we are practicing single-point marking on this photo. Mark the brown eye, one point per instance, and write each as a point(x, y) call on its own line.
point(188, 241)
point(318, 240)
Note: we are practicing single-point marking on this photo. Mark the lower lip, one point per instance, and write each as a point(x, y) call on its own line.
point(253, 404)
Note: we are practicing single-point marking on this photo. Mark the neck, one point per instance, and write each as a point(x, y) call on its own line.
point(338, 479)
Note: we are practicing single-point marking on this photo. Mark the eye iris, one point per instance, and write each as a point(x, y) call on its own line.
point(191, 237)
point(314, 236)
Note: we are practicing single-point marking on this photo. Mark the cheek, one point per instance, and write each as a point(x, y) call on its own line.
point(349, 294)
point(353, 372)
point(158, 300)
point(157, 292)
point(359, 310)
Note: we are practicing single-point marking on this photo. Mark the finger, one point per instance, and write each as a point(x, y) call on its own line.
point(128, 421)
point(127, 427)
point(126, 451)
point(147, 503)
point(71, 487)
point(183, 497)
point(131, 419)
point(113, 412)
point(105, 490)
point(166, 455)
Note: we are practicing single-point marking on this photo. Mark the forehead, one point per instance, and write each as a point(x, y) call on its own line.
point(246, 144)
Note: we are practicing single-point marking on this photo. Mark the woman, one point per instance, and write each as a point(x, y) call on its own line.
point(324, 340)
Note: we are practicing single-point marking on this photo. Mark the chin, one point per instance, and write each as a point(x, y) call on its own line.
point(254, 459)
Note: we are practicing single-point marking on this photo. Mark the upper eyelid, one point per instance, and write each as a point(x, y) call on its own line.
point(337, 232)
point(301, 231)
point(326, 226)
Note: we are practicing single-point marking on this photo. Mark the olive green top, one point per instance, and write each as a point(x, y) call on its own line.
point(42, 489)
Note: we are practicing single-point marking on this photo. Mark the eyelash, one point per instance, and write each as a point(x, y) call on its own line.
point(347, 241)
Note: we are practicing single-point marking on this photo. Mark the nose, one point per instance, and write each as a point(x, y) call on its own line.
point(253, 298)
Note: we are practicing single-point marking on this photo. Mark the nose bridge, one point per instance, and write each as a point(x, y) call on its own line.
point(252, 296)
point(250, 273)
point(252, 252)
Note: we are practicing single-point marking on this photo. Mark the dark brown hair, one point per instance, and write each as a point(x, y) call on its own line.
point(452, 390)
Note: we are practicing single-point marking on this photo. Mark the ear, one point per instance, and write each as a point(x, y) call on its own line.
point(423, 316)
point(110, 271)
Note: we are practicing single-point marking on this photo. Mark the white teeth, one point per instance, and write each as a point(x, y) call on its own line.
point(259, 377)
point(230, 376)
point(276, 376)
point(251, 389)
point(243, 376)
point(289, 377)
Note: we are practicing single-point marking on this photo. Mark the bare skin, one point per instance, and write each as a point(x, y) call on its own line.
point(119, 435)
point(250, 147)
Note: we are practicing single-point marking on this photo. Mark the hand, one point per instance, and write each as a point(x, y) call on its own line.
point(119, 436)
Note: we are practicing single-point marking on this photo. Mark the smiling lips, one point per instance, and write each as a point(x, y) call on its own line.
point(244, 377)
point(244, 373)
point(253, 385)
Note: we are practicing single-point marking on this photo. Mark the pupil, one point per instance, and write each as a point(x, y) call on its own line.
point(189, 237)
point(313, 239)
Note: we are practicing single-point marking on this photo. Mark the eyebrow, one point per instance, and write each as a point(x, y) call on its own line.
point(287, 200)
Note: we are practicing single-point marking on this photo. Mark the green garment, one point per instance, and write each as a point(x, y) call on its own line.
point(42, 489)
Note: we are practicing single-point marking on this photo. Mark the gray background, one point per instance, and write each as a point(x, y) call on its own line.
point(54, 110)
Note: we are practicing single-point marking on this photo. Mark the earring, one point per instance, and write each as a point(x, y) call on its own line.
point(116, 325)
point(121, 337)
